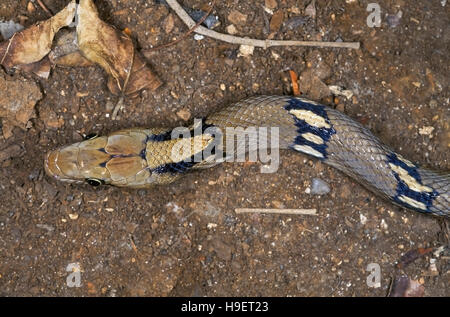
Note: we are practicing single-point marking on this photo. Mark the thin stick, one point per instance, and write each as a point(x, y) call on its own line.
point(185, 34)
point(251, 42)
point(44, 7)
point(119, 105)
point(311, 212)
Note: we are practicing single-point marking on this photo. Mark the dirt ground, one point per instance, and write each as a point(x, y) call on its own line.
point(185, 239)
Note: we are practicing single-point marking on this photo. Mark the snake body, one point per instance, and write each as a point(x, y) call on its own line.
point(144, 157)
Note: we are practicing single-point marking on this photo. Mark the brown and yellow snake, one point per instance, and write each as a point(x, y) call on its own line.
point(144, 157)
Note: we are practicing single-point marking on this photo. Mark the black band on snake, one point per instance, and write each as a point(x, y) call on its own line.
point(144, 157)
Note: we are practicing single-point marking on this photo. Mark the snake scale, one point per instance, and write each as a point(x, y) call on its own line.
point(144, 157)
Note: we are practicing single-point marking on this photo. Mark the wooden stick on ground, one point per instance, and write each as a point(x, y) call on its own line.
point(311, 212)
point(251, 42)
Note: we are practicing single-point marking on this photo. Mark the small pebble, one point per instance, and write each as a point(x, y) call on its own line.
point(427, 130)
point(393, 20)
point(8, 28)
point(73, 216)
point(198, 37)
point(231, 29)
point(363, 219)
point(246, 50)
point(184, 114)
point(319, 187)
point(237, 17)
point(275, 55)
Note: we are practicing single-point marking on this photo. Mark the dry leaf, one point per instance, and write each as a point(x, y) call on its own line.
point(403, 286)
point(40, 68)
point(276, 21)
point(313, 86)
point(94, 41)
point(75, 59)
point(34, 43)
point(141, 77)
point(113, 51)
point(412, 255)
point(18, 97)
point(66, 52)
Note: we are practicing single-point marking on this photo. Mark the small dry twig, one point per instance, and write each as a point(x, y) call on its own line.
point(119, 105)
point(251, 42)
point(311, 212)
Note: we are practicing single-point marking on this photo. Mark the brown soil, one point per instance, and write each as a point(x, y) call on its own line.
point(185, 238)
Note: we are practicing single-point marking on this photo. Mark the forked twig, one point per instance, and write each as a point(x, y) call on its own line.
point(251, 42)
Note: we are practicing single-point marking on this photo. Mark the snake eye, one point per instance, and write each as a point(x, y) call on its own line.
point(90, 136)
point(94, 182)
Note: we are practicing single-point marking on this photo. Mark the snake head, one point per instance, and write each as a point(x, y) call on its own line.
point(117, 159)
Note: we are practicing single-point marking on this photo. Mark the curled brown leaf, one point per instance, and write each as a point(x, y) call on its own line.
point(113, 51)
point(403, 286)
point(34, 43)
point(93, 41)
point(18, 97)
point(66, 52)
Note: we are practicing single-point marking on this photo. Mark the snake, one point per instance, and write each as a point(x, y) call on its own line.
point(143, 157)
